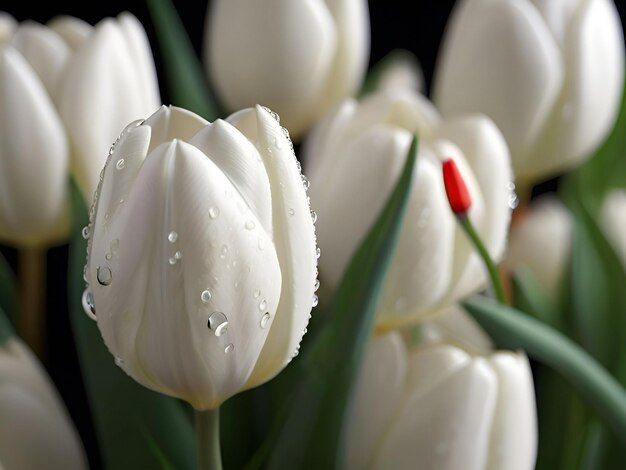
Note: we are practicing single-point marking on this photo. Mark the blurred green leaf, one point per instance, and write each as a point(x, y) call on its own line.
point(124, 412)
point(8, 290)
point(529, 297)
point(392, 59)
point(312, 436)
point(187, 85)
point(512, 329)
point(6, 330)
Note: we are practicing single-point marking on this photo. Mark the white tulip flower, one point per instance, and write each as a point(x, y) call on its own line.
point(36, 431)
point(300, 58)
point(354, 158)
point(202, 257)
point(437, 406)
point(613, 222)
point(549, 73)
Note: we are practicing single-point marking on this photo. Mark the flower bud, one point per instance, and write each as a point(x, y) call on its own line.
point(300, 58)
point(354, 159)
point(456, 189)
point(36, 431)
point(202, 257)
point(535, 68)
point(438, 406)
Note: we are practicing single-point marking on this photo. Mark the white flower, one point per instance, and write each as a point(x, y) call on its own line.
point(613, 222)
point(36, 431)
point(300, 58)
point(549, 73)
point(202, 260)
point(442, 407)
point(354, 158)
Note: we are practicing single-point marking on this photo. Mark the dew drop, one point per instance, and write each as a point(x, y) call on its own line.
point(306, 183)
point(120, 164)
point(317, 284)
point(229, 348)
point(178, 255)
point(315, 301)
point(218, 323)
point(318, 253)
point(172, 261)
point(510, 186)
point(513, 200)
point(214, 212)
point(85, 278)
point(120, 362)
point(313, 216)
point(292, 211)
point(88, 305)
point(265, 320)
point(85, 232)
point(104, 276)
point(250, 224)
point(206, 296)
point(263, 305)
point(172, 237)
point(108, 256)
point(257, 293)
point(223, 251)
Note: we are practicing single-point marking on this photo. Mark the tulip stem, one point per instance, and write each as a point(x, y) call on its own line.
point(32, 294)
point(208, 439)
point(486, 257)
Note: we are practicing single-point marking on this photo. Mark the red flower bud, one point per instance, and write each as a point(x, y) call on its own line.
point(458, 195)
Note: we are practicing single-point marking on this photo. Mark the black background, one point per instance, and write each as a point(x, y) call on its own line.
point(414, 25)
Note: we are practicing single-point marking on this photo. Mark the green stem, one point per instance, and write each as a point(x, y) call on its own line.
point(208, 439)
point(484, 254)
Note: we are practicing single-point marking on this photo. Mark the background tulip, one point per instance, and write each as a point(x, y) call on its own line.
point(202, 260)
point(613, 222)
point(441, 406)
point(548, 73)
point(354, 158)
point(300, 58)
point(36, 431)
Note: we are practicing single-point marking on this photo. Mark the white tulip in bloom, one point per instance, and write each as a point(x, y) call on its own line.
point(300, 58)
point(438, 406)
point(67, 75)
point(36, 431)
point(354, 158)
point(202, 257)
point(613, 222)
point(541, 242)
point(549, 73)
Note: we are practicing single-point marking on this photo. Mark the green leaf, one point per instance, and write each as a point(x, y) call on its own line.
point(8, 290)
point(6, 330)
point(187, 85)
point(378, 71)
point(515, 330)
point(312, 436)
point(531, 298)
point(123, 410)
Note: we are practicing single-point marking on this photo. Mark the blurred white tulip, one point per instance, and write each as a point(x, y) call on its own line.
point(613, 222)
point(300, 58)
point(354, 158)
point(549, 73)
point(36, 431)
point(202, 257)
point(438, 406)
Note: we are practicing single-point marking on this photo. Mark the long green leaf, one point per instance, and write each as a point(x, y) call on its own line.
point(8, 289)
point(187, 85)
point(515, 330)
point(123, 410)
point(312, 437)
point(531, 298)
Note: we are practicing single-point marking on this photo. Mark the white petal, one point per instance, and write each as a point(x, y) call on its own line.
point(404, 72)
point(73, 30)
point(294, 238)
point(613, 222)
point(101, 95)
point(170, 122)
point(46, 52)
point(33, 157)
point(455, 326)
point(500, 59)
point(557, 14)
point(280, 55)
point(514, 430)
point(152, 315)
point(379, 390)
point(444, 424)
point(8, 25)
point(541, 242)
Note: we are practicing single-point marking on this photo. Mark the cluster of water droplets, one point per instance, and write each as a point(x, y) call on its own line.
point(513, 200)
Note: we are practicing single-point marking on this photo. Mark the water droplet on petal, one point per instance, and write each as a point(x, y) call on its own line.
point(315, 301)
point(172, 261)
point(265, 319)
point(108, 256)
point(120, 164)
point(313, 216)
point(257, 293)
point(172, 237)
point(317, 284)
point(104, 276)
point(214, 212)
point(218, 323)
point(250, 224)
point(88, 305)
point(206, 296)
point(120, 362)
point(229, 348)
point(178, 255)
point(292, 211)
point(306, 183)
point(263, 305)
point(318, 253)
point(85, 232)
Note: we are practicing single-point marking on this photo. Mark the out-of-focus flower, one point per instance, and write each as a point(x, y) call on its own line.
point(67, 75)
point(549, 73)
point(300, 58)
point(541, 242)
point(441, 406)
point(36, 431)
point(202, 257)
point(401, 70)
point(354, 159)
point(613, 222)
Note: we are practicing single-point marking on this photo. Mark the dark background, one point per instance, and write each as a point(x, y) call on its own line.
point(416, 26)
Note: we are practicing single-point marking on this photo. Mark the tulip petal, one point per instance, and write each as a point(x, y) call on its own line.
point(514, 429)
point(33, 157)
point(456, 327)
point(294, 238)
point(153, 315)
point(73, 30)
point(171, 122)
point(613, 221)
point(557, 14)
point(8, 25)
point(500, 59)
point(379, 390)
